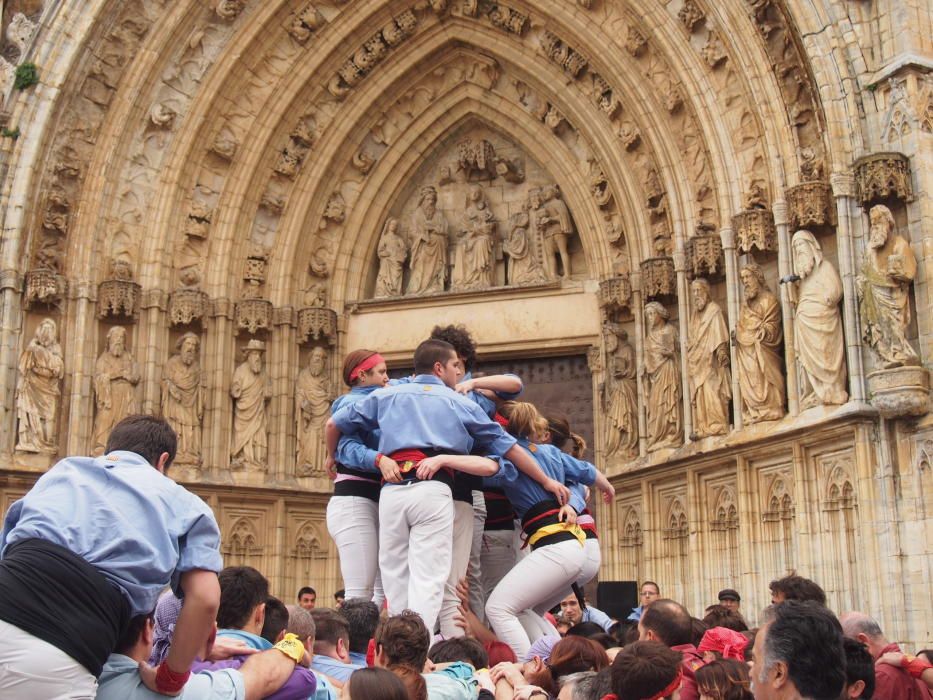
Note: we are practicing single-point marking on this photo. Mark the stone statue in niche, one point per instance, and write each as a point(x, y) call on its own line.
point(183, 398)
point(116, 375)
point(662, 379)
point(428, 262)
point(392, 252)
point(251, 390)
point(883, 283)
point(621, 393)
point(313, 394)
point(758, 338)
point(818, 335)
point(554, 226)
point(41, 368)
point(524, 267)
point(708, 362)
point(474, 264)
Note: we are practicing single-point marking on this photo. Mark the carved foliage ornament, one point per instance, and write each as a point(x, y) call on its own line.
point(883, 175)
point(569, 60)
point(305, 22)
point(373, 51)
point(658, 277)
point(507, 19)
point(316, 323)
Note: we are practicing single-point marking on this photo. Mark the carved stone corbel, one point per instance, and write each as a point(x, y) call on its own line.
point(811, 204)
point(658, 277)
point(317, 323)
point(186, 306)
point(755, 228)
point(44, 286)
point(119, 296)
point(253, 315)
point(883, 175)
point(704, 256)
point(615, 293)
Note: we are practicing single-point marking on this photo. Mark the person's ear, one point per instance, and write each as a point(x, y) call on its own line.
point(280, 636)
point(259, 615)
point(148, 633)
point(162, 462)
point(779, 674)
point(342, 650)
point(855, 690)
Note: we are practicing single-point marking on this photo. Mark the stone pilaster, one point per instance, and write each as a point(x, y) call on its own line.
point(733, 295)
point(683, 316)
point(785, 268)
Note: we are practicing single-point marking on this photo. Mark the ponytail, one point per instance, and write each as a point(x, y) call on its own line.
point(561, 433)
point(579, 446)
point(524, 419)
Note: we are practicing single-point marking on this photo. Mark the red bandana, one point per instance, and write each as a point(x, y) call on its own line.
point(365, 366)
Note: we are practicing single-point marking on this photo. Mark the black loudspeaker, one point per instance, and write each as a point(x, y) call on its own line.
point(617, 598)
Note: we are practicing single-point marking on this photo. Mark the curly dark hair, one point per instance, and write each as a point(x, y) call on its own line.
point(794, 587)
point(463, 343)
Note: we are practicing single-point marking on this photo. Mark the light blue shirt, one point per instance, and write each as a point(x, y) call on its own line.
point(333, 668)
point(635, 615)
point(577, 497)
point(136, 526)
point(523, 492)
point(596, 615)
point(120, 680)
point(455, 682)
point(254, 641)
point(358, 658)
point(424, 414)
point(356, 450)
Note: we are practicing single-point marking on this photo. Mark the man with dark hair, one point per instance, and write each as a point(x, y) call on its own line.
point(332, 645)
point(669, 622)
point(273, 627)
point(92, 545)
point(646, 669)
point(798, 653)
point(339, 597)
point(891, 682)
point(860, 671)
point(242, 612)
point(571, 611)
point(794, 587)
point(721, 616)
point(465, 649)
point(362, 618)
point(307, 597)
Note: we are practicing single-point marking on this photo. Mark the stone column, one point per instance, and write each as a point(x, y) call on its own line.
point(638, 311)
point(219, 363)
point(152, 348)
point(732, 312)
point(283, 361)
point(848, 220)
point(785, 268)
point(11, 328)
point(683, 315)
point(80, 353)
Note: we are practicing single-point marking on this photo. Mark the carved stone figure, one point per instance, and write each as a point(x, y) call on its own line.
point(183, 398)
point(621, 393)
point(888, 268)
point(392, 252)
point(474, 265)
point(41, 368)
point(554, 225)
point(313, 394)
point(708, 362)
point(524, 267)
point(251, 390)
point(662, 379)
point(116, 375)
point(428, 262)
point(758, 337)
point(818, 325)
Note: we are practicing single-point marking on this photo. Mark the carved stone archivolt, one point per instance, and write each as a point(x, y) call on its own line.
point(882, 176)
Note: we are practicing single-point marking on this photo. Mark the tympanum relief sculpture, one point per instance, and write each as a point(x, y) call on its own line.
point(818, 334)
point(662, 379)
point(474, 264)
point(183, 397)
point(428, 263)
point(251, 391)
point(519, 246)
point(758, 355)
point(116, 375)
point(620, 394)
point(708, 362)
point(313, 395)
point(38, 394)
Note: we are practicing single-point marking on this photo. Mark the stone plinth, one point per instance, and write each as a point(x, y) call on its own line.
point(900, 391)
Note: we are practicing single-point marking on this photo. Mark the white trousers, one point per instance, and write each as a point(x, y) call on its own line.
point(415, 533)
point(31, 669)
point(475, 572)
point(353, 523)
point(536, 583)
point(593, 559)
point(498, 558)
point(460, 562)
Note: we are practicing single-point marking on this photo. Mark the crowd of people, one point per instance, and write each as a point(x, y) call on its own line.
point(460, 518)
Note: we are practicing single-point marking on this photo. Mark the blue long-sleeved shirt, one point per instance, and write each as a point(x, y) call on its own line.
point(577, 496)
point(357, 450)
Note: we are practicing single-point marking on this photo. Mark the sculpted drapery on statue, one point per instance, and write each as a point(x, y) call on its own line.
point(554, 226)
point(392, 254)
point(116, 375)
point(41, 368)
point(474, 264)
point(819, 340)
point(428, 261)
point(621, 392)
point(183, 398)
point(524, 266)
point(758, 337)
point(708, 362)
point(251, 390)
point(662, 379)
point(313, 394)
point(888, 268)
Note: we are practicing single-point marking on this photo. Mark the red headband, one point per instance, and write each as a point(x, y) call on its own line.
point(674, 685)
point(365, 366)
point(501, 420)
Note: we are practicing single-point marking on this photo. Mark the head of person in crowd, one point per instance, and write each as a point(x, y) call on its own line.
point(524, 420)
point(339, 597)
point(798, 653)
point(650, 592)
point(724, 679)
point(415, 686)
point(465, 649)
point(721, 616)
point(136, 640)
point(276, 620)
point(362, 618)
point(461, 340)
point(570, 610)
point(542, 648)
point(438, 358)
point(575, 654)
point(243, 595)
point(301, 624)
point(730, 598)
point(721, 642)
point(697, 630)
point(666, 621)
point(402, 640)
point(586, 685)
point(585, 629)
point(562, 625)
point(646, 669)
point(364, 368)
point(331, 634)
point(150, 437)
point(559, 434)
point(864, 629)
point(374, 684)
point(497, 652)
point(794, 587)
point(307, 597)
point(860, 671)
